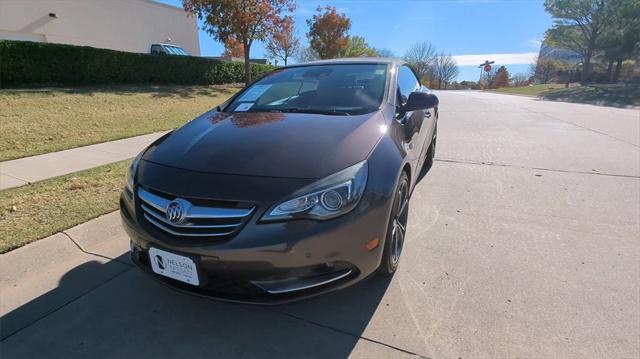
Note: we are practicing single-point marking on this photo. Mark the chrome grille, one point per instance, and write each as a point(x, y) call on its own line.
point(199, 221)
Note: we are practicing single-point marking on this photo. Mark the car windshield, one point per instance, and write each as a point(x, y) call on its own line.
point(174, 50)
point(344, 89)
point(180, 51)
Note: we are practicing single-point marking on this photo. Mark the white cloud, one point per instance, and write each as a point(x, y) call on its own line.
point(502, 59)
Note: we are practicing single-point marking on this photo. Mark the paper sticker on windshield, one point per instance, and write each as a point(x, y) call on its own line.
point(254, 92)
point(244, 106)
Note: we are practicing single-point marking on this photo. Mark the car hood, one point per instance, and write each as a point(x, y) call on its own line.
point(294, 145)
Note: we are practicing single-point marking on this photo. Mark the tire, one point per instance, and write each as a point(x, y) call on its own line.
point(396, 228)
point(431, 152)
point(429, 156)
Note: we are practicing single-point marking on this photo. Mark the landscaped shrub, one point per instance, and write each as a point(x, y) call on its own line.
point(34, 63)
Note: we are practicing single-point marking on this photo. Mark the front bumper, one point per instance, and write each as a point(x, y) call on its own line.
point(271, 263)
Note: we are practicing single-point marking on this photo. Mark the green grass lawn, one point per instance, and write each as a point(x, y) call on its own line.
point(39, 210)
point(615, 95)
point(36, 121)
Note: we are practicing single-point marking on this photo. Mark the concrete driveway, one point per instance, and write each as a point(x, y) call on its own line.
point(523, 241)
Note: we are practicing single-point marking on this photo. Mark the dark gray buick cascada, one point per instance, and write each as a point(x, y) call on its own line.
point(297, 185)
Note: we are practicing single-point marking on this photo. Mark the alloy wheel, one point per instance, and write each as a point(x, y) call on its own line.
point(399, 223)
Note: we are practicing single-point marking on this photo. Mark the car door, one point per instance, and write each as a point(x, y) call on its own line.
point(428, 127)
point(411, 121)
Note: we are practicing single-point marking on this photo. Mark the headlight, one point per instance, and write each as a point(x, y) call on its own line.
point(132, 172)
point(327, 198)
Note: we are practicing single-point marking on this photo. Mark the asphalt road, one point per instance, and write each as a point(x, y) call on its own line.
point(523, 241)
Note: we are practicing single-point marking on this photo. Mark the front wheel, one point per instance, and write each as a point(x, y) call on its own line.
point(397, 227)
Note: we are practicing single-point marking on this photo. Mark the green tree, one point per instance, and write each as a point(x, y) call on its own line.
point(546, 70)
point(579, 25)
point(358, 47)
point(621, 40)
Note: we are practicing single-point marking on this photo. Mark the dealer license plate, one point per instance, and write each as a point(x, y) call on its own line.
point(173, 266)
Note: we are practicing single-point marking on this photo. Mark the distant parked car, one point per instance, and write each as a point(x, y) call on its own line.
point(296, 186)
point(167, 49)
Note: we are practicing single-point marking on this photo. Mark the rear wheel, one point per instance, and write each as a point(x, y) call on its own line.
point(397, 227)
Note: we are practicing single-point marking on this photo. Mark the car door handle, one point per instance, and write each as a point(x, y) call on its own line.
point(427, 114)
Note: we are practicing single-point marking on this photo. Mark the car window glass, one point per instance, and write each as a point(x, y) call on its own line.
point(179, 50)
point(407, 82)
point(155, 49)
point(281, 91)
point(337, 89)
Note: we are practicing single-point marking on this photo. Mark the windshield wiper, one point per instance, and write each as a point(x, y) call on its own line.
point(314, 111)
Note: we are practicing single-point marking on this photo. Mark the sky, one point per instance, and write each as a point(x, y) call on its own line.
point(506, 31)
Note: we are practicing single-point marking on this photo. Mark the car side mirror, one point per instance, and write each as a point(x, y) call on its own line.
point(420, 101)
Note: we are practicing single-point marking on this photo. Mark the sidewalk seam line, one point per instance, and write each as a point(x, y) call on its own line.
point(14, 177)
point(338, 330)
point(576, 125)
point(92, 253)
point(587, 128)
point(489, 163)
point(569, 122)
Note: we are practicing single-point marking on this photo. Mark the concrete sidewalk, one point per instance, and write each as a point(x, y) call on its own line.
point(26, 170)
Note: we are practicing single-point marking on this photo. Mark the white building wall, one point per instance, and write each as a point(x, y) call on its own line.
point(126, 25)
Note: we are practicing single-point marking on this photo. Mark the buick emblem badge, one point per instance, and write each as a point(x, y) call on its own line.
point(176, 211)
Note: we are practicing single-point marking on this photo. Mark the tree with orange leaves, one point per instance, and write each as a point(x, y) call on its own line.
point(502, 78)
point(328, 32)
point(233, 48)
point(283, 44)
point(244, 20)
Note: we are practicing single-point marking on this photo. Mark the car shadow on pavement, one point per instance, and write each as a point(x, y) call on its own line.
point(617, 95)
point(112, 309)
